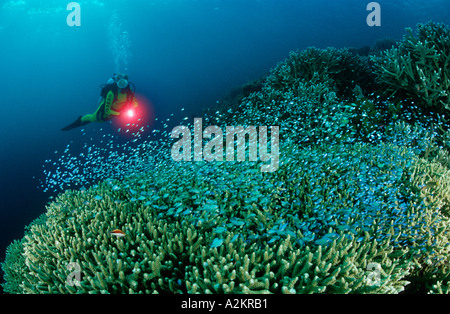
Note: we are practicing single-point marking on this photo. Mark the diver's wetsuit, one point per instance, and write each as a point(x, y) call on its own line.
point(103, 113)
point(112, 102)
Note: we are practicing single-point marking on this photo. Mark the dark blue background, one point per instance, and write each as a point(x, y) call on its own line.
point(184, 54)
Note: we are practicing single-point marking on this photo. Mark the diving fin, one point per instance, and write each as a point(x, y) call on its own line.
point(75, 124)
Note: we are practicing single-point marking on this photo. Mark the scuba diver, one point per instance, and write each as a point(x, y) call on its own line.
point(116, 96)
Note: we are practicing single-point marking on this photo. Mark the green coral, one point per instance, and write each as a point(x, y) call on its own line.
point(359, 204)
point(419, 68)
point(13, 266)
point(340, 68)
point(190, 233)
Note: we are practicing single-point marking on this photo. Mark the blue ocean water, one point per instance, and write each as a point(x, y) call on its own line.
point(178, 53)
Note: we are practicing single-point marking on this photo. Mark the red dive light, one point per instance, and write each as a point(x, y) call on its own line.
point(130, 113)
point(132, 119)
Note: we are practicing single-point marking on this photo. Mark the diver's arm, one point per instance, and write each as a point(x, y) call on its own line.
point(134, 101)
point(108, 101)
point(108, 104)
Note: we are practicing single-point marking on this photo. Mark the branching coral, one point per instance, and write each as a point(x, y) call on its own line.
point(222, 231)
point(342, 214)
point(13, 266)
point(342, 70)
point(419, 68)
point(433, 272)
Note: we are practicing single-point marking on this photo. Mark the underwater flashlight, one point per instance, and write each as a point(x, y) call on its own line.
point(130, 113)
point(132, 120)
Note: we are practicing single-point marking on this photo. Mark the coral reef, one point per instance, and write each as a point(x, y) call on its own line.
point(340, 67)
point(382, 45)
point(318, 228)
point(419, 68)
point(13, 266)
point(359, 204)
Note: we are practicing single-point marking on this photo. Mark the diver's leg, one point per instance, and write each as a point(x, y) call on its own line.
point(97, 116)
point(78, 122)
point(88, 118)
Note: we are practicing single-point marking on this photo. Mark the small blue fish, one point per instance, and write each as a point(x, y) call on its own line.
point(235, 237)
point(273, 239)
point(220, 230)
point(216, 243)
point(237, 222)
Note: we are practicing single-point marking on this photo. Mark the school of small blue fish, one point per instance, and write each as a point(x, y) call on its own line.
point(326, 190)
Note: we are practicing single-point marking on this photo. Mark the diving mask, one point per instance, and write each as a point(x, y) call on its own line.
point(122, 83)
